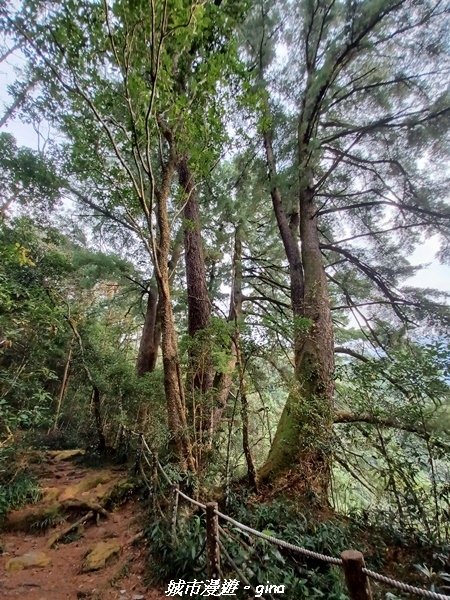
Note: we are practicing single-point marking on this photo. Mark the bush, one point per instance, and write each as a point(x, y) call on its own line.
point(16, 488)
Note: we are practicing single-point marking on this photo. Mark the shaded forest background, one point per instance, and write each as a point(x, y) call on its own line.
point(212, 247)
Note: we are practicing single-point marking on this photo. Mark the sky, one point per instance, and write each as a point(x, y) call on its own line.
point(435, 275)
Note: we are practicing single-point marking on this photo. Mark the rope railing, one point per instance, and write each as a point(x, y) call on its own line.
point(404, 587)
point(352, 562)
point(287, 545)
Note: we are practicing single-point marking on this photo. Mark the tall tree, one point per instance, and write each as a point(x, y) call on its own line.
point(361, 106)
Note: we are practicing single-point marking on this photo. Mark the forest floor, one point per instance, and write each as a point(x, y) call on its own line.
point(101, 558)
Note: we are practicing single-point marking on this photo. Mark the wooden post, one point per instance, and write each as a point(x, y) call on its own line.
point(357, 582)
point(173, 524)
point(212, 541)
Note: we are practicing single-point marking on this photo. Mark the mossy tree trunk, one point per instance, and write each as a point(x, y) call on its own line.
point(302, 443)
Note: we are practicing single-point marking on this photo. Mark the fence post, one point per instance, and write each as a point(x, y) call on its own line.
point(357, 582)
point(212, 541)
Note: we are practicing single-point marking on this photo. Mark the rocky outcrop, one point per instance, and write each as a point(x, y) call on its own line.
point(102, 554)
point(27, 561)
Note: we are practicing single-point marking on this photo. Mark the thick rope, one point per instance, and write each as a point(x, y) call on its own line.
point(191, 500)
point(403, 586)
point(310, 553)
point(160, 467)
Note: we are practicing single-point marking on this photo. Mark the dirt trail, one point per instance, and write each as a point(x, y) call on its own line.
point(76, 492)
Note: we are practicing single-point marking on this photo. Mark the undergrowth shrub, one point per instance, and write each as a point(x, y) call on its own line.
point(17, 485)
point(63, 438)
point(264, 563)
point(179, 557)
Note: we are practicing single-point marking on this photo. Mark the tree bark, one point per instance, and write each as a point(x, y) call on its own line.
point(148, 349)
point(151, 333)
point(302, 440)
point(251, 471)
point(223, 381)
point(288, 228)
point(65, 380)
point(199, 305)
point(200, 376)
point(176, 409)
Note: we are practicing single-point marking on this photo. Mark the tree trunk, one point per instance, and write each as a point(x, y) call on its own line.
point(151, 333)
point(251, 471)
point(199, 378)
point(148, 350)
point(173, 386)
point(288, 228)
point(223, 381)
point(150, 339)
point(199, 305)
point(302, 441)
point(63, 389)
point(96, 409)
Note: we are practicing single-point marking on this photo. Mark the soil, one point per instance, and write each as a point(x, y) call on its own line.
point(121, 579)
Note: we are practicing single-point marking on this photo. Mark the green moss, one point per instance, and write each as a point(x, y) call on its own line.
point(302, 439)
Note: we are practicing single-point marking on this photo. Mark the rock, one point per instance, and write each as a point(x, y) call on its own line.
point(100, 555)
point(89, 493)
point(94, 484)
point(138, 597)
point(60, 455)
point(28, 561)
